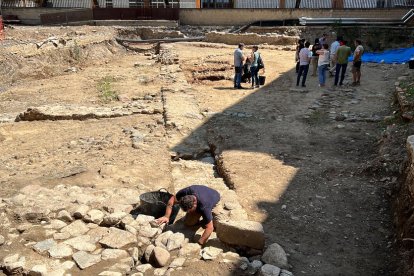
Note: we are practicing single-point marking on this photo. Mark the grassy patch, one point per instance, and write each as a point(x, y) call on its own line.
point(76, 52)
point(408, 86)
point(394, 119)
point(105, 87)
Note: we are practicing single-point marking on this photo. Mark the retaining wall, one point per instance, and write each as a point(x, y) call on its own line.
point(232, 17)
point(31, 16)
point(375, 38)
point(249, 39)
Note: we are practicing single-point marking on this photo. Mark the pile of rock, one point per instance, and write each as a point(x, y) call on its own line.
point(61, 230)
point(403, 93)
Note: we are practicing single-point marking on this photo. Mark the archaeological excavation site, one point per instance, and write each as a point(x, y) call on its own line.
point(116, 131)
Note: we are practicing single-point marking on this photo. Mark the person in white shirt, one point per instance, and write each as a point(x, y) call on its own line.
point(323, 63)
point(304, 58)
point(334, 47)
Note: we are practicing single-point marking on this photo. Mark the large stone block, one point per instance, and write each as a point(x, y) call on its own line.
point(242, 233)
point(118, 238)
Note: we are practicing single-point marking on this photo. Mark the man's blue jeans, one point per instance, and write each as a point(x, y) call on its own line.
point(340, 68)
point(322, 73)
point(237, 77)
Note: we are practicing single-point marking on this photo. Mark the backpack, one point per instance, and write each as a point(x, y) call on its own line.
point(260, 64)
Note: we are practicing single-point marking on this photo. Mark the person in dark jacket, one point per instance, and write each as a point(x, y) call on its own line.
point(198, 202)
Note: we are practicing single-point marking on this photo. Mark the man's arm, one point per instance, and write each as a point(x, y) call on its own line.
point(206, 234)
point(168, 210)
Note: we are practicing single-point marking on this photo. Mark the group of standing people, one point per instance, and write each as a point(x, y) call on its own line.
point(247, 66)
point(324, 58)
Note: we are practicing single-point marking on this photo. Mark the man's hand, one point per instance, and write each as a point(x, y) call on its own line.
point(209, 229)
point(162, 220)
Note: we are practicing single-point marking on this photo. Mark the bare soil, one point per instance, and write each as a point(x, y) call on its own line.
point(308, 177)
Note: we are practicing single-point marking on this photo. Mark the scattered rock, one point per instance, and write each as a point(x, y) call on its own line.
point(44, 246)
point(231, 257)
point(269, 270)
point(159, 257)
point(98, 233)
point(95, 216)
point(275, 255)
point(175, 241)
point(254, 267)
point(61, 236)
point(190, 249)
point(84, 259)
point(60, 251)
point(143, 268)
point(65, 216)
point(68, 265)
point(148, 232)
point(210, 253)
point(110, 273)
point(81, 211)
point(178, 262)
point(285, 273)
point(81, 243)
point(118, 238)
point(76, 228)
point(135, 254)
point(38, 270)
point(55, 224)
point(162, 239)
point(244, 263)
point(26, 226)
point(241, 233)
point(148, 252)
point(108, 254)
point(14, 264)
point(143, 219)
point(113, 219)
point(2, 240)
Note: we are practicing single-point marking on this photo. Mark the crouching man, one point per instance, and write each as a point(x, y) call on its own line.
point(197, 201)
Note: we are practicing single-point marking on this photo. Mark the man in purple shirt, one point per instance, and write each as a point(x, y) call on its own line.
point(198, 202)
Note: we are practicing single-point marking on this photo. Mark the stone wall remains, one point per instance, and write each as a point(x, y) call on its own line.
point(374, 38)
point(250, 38)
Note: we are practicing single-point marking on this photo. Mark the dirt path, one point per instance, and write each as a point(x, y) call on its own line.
point(302, 173)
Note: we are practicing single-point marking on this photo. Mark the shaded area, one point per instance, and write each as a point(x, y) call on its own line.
point(332, 214)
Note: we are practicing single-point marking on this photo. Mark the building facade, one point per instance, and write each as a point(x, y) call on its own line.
point(213, 4)
point(290, 4)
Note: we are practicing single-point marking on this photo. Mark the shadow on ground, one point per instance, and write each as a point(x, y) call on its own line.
point(331, 217)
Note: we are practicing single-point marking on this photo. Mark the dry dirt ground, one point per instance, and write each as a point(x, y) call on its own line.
point(299, 160)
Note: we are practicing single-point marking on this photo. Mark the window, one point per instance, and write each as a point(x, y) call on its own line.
point(217, 3)
point(136, 3)
point(162, 3)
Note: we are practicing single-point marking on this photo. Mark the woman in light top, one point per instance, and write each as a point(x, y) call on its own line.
point(323, 63)
point(254, 68)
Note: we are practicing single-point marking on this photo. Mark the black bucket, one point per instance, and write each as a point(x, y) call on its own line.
point(411, 64)
point(262, 80)
point(155, 203)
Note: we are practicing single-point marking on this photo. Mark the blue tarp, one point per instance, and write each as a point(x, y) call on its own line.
point(397, 56)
